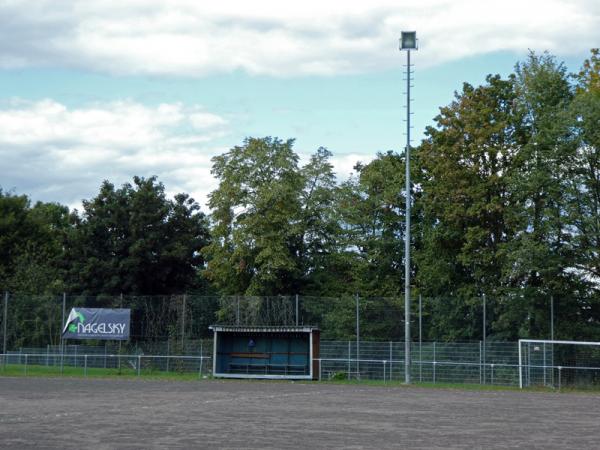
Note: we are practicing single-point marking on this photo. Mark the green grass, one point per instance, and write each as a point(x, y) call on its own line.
point(18, 370)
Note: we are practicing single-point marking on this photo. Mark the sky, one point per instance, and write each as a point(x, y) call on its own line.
point(105, 90)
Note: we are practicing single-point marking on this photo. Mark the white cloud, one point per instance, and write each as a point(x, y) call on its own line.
point(56, 153)
point(195, 38)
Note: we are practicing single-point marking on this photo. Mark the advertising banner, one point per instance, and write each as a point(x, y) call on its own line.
point(98, 323)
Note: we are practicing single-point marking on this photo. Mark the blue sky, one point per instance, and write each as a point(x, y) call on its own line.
point(108, 90)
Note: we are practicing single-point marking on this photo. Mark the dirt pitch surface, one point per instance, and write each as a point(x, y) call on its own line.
point(107, 413)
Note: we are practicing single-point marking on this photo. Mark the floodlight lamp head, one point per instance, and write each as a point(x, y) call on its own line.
point(408, 40)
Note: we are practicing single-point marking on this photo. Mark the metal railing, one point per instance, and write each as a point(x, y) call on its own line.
point(104, 364)
point(451, 372)
point(495, 363)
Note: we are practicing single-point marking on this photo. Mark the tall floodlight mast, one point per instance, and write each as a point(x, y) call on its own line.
point(408, 42)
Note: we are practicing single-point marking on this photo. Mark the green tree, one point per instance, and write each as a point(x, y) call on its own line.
point(273, 226)
point(463, 164)
point(31, 245)
point(583, 204)
point(538, 259)
point(134, 240)
point(319, 236)
point(371, 211)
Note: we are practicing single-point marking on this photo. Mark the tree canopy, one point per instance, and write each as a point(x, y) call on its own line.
point(506, 202)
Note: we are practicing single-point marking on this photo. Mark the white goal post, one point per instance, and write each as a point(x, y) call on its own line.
point(583, 356)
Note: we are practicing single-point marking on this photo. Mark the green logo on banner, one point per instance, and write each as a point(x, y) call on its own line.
point(73, 326)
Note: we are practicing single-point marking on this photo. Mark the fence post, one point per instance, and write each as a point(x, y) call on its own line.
point(183, 324)
point(552, 335)
point(237, 315)
point(139, 366)
point(349, 360)
point(4, 325)
point(480, 361)
point(120, 342)
point(544, 350)
point(357, 338)
point(168, 352)
point(297, 319)
point(434, 362)
point(391, 359)
point(521, 366)
point(384, 362)
point(529, 364)
point(85, 365)
point(26, 355)
point(491, 374)
point(484, 334)
point(559, 377)
point(47, 353)
point(200, 370)
point(420, 340)
point(62, 341)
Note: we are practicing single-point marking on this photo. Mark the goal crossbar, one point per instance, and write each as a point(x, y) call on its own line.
point(547, 341)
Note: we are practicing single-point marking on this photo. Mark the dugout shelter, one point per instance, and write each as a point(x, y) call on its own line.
point(283, 352)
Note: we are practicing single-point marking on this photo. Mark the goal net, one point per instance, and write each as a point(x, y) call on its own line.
point(559, 363)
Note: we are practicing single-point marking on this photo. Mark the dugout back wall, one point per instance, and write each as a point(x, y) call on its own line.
point(265, 352)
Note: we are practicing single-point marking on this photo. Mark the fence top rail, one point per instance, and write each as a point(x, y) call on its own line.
point(453, 363)
point(101, 355)
point(549, 341)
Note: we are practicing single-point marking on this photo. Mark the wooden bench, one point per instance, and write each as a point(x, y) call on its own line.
point(250, 355)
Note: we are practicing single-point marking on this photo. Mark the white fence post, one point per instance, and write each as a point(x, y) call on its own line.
point(349, 361)
point(480, 362)
point(434, 362)
point(559, 377)
point(391, 359)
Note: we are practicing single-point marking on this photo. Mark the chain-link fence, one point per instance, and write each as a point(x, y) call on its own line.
point(492, 363)
point(361, 338)
point(38, 320)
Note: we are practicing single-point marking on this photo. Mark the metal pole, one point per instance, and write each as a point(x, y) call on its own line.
point(357, 338)
point(480, 361)
point(391, 358)
point(297, 310)
point(434, 362)
point(520, 367)
point(120, 342)
point(349, 360)
point(552, 335)
point(237, 315)
point(4, 324)
point(544, 362)
point(407, 338)
point(169, 353)
point(183, 324)
point(484, 334)
point(420, 340)
point(201, 357)
point(62, 341)
point(552, 317)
